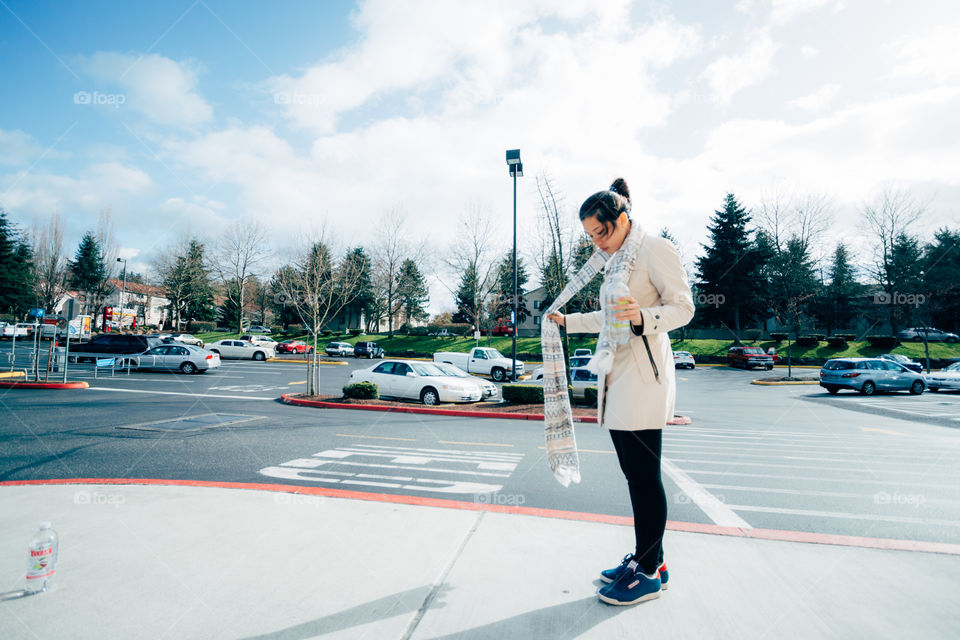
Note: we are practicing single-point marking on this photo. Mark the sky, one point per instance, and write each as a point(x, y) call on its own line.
point(184, 117)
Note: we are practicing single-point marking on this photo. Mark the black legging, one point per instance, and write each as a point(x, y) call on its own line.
point(639, 455)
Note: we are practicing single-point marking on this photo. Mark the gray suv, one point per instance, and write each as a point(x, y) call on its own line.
point(869, 375)
point(111, 344)
point(915, 334)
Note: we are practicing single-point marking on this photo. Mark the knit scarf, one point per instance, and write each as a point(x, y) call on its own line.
point(562, 453)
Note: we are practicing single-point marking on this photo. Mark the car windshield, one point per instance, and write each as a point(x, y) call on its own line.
point(451, 370)
point(754, 351)
point(839, 365)
point(953, 367)
point(493, 353)
point(426, 369)
point(898, 357)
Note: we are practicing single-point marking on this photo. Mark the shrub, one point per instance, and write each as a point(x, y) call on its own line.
point(523, 393)
point(818, 336)
point(807, 341)
point(837, 342)
point(778, 337)
point(356, 332)
point(752, 335)
point(295, 329)
point(882, 342)
point(418, 331)
point(326, 333)
point(361, 391)
point(6, 317)
point(849, 337)
point(590, 396)
point(198, 326)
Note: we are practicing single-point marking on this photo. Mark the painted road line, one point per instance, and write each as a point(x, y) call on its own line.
point(298, 382)
point(848, 516)
point(586, 450)
point(721, 514)
point(724, 449)
point(477, 454)
point(354, 435)
point(833, 480)
point(478, 444)
point(872, 459)
point(180, 393)
point(860, 466)
point(827, 494)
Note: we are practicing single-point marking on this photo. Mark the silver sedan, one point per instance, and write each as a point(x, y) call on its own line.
point(177, 357)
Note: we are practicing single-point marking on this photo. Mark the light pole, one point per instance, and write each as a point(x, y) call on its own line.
point(516, 169)
point(122, 289)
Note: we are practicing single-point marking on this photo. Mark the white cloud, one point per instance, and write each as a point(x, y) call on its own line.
point(783, 11)
point(818, 100)
point(161, 89)
point(932, 54)
point(729, 74)
point(809, 52)
point(19, 148)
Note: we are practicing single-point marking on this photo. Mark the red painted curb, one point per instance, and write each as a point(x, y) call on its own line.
point(43, 385)
point(886, 544)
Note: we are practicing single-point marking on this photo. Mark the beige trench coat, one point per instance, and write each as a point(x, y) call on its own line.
point(634, 398)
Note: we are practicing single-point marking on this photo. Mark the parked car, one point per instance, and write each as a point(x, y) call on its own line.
point(241, 349)
point(339, 349)
point(367, 350)
point(491, 393)
point(916, 334)
point(576, 361)
point(483, 360)
point(258, 329)
point(418, 381)
point(581, 378)
point(110, 345)
point(749, 357)
point(683, 360)
point(295, 346)
point(899, 358)
point(8, 330)
point(174, 357)
point(583, 352)
point(869, 375)
point(258, 339)
point(442, 333)
point(186, 338)
point(946, 378)
point(502, 328)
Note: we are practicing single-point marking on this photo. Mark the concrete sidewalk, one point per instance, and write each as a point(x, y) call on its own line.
point(191, 562)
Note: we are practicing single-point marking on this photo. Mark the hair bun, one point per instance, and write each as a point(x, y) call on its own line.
point(620, 186)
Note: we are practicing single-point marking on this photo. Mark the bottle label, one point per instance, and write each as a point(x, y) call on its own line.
point(41, 563)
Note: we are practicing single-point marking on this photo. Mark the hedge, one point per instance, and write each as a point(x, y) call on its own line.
point(361, 391)
point(849, 337)
point(882, 342)
point(808, 341)
point(837, 342)
point(198, 326)
point(590, 396)
point(523, 393)
point(276, 329)
point(752, 335)
point(778, 337)
point(295, 329)
point(356, 332)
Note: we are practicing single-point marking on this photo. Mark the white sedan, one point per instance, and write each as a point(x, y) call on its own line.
point(490, 391)
point(575, 361)
point(683, 360)
point(241, 349)
point(946, 378)
point(422, 381)
point(177, 357)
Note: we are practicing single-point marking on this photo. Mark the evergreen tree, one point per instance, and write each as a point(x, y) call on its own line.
point(358, 261)
point(732, 268)
point(17, 281)
point(412, 292)
point(941, 276)
point(229, 311)
point(198, 302)
point(588, 298)
point(470, 298)
point(553, 277)
point(502, 306)
point(89, 274)
point(792, 283)
point(906, 275)
point(839, 302)
point(280, 301)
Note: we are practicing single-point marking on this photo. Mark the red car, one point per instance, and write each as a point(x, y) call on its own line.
point(294, 346)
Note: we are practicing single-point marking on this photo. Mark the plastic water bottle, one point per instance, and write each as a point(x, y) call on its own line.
point(42, 559)
point(617, 330)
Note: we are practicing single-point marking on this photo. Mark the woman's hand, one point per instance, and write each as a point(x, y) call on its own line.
point(628, 308)
point(557, 317)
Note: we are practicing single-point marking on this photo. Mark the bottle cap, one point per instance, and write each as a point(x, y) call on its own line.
point(45, 524)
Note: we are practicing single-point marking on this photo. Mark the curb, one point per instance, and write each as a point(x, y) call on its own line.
point(43, 385)
point(774, 384)
point(304, 361)
point(318, 404)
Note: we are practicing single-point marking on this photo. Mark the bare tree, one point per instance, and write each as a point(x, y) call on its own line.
point(471, 258)
point(557, 238)
point(318, 287)
point(783, 216)
point(240, 254)
point(392, 249)
point(50, 262)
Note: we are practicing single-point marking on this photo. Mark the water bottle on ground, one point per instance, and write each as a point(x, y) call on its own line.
point(42, 559)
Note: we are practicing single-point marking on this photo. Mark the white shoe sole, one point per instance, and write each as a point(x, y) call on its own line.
point(604, 578)
point(649, 596)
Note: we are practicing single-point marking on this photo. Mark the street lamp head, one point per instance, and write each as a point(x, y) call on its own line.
point(516, 170)
point(513, 156)
point(119, 259)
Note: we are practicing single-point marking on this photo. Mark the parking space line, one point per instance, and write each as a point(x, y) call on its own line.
point(850, 516)
point(479, 444)
point(721, 514)
point(356, 435)
point(587, 450)
point(181, 393)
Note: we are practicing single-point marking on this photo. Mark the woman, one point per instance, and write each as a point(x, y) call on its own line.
point(640, 387)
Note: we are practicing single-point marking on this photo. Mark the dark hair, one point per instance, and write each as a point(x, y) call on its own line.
point(607, 205)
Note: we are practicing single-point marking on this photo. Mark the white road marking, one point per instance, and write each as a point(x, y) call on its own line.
point(720, 513)
point(861, 465)
point(180, 393)
point(833, 480)
point(851, 516)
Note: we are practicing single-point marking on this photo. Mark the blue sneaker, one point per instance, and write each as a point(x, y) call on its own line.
point(631, 587)
point(610, 575)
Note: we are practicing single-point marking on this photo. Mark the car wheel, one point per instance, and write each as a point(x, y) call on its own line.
point(259, 357)
point(917, 387)
point(381, 355)
point(429, 396)
point(833, 390)
point(214, 351)
point(769, 367)
point(951, 340)
point(868, 388)
point(498, 374)
point(72, 359)
point(188, 368)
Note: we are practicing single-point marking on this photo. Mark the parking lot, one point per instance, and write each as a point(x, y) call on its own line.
point(788, 457)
